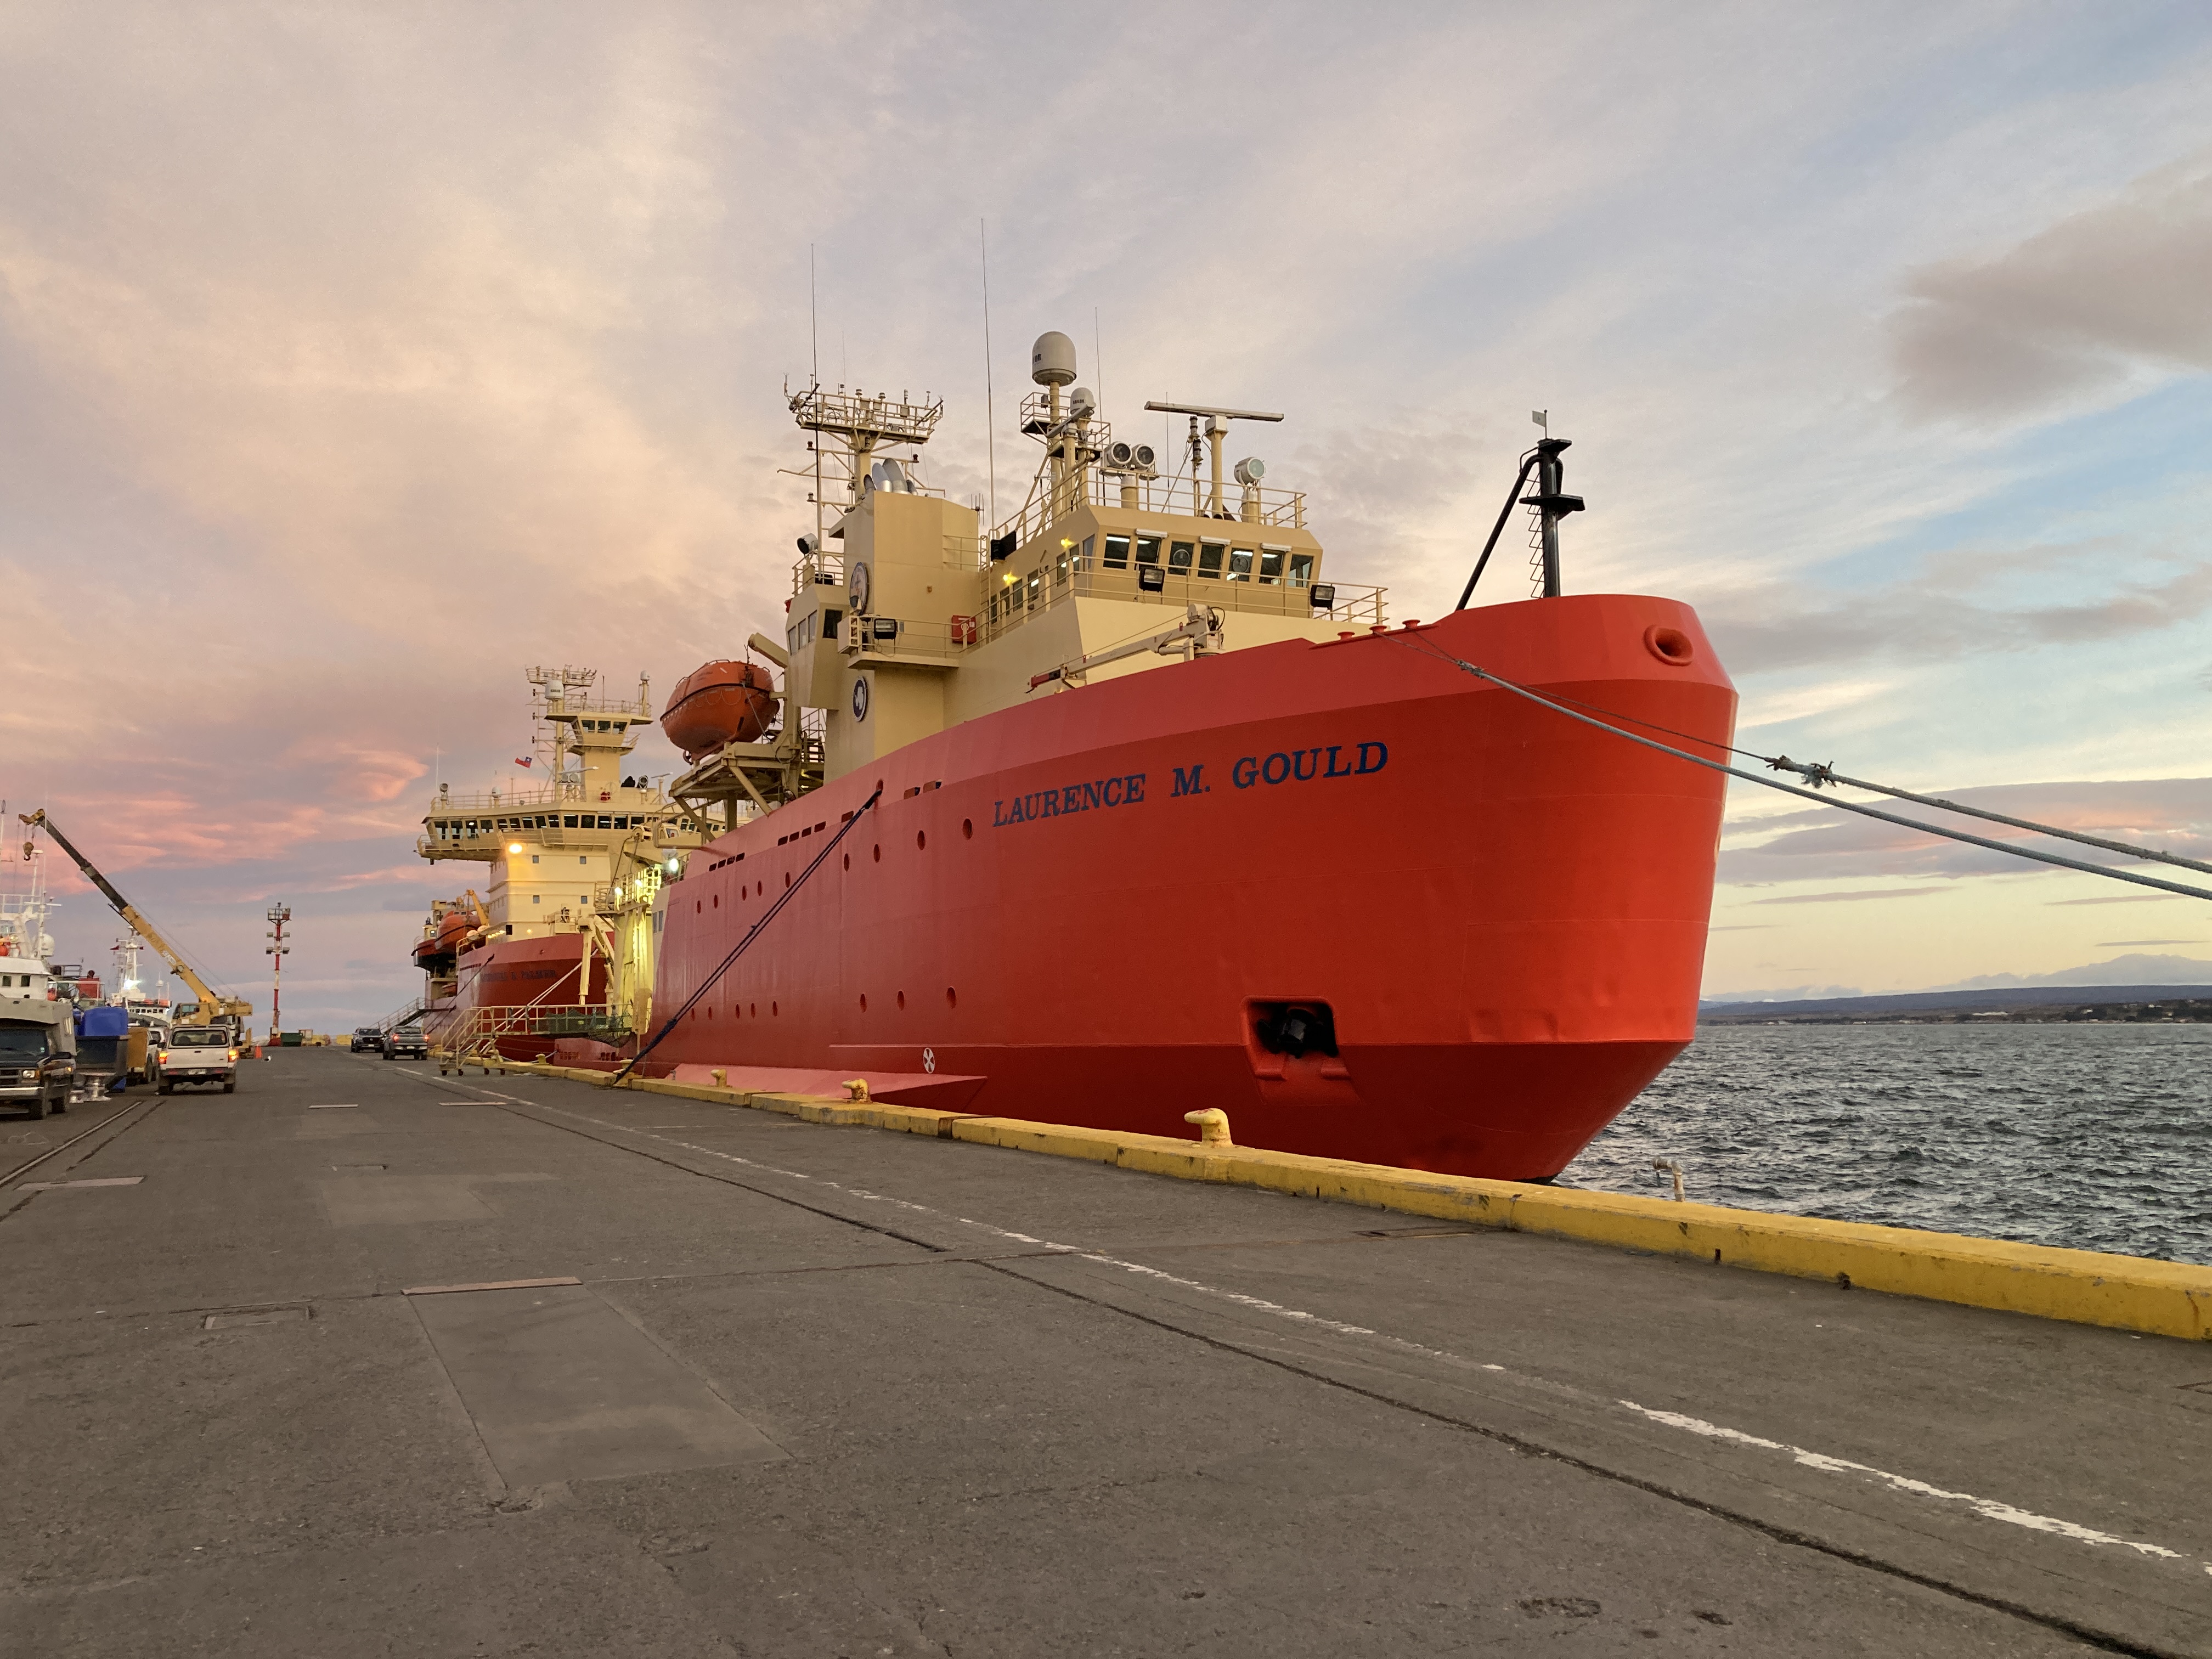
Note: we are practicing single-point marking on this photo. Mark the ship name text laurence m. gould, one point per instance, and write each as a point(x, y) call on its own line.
point(1283, 766)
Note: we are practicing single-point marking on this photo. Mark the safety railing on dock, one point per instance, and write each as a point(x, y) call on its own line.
point(489, 1035)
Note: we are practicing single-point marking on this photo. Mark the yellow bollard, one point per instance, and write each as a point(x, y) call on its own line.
point(856, 1089)
point(1212, 1125)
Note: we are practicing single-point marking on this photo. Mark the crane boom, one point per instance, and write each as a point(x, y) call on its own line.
point(210, 1004)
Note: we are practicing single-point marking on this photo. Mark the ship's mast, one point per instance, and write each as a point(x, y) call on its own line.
point(858, 425)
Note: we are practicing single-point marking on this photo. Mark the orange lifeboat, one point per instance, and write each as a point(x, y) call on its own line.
point(442, 945)
point(719, 702)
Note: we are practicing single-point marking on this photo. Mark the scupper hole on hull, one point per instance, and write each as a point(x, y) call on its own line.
point(968, 828)
point(952, 998)
point(902, 998)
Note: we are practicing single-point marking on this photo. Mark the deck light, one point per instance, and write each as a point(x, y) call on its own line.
point(1321, 596)
point(1151, 579)
point(514, 846)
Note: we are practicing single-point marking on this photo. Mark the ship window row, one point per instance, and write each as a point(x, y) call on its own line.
point(1207, 561)
point(815, 624)
point(464, 829)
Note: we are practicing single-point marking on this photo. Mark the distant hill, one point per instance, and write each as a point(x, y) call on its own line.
point(1993, 1001)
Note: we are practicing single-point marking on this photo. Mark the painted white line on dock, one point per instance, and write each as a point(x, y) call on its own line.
point(495, 1285)
point(342, 1106)
point(1988, 1509)
point(56, 1186)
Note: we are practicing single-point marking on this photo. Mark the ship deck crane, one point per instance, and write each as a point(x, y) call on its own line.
point(211, 1005)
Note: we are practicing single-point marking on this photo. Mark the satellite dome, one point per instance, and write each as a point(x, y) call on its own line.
point(1052, 360)
point(1082, 401)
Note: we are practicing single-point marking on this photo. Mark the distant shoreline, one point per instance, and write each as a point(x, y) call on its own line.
point(2026, 1005)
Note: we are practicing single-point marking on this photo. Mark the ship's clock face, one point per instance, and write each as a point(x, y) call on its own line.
point(859, 699)
point(859, 587)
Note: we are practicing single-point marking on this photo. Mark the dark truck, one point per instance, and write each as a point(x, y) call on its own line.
point(406, 1042)
point(37, 1056)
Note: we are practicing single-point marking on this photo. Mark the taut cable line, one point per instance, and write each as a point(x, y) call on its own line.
point(1825, 775)
point(751, 933)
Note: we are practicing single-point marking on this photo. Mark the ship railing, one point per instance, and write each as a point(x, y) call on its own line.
point(894, 637)
point(1260, 506)
point(1252, 504)
point(1014, 603)
point(505, 800)
point(476, 1037)
point(822, 570)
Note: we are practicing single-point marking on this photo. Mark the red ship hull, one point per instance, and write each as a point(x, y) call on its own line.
point(1086, 909)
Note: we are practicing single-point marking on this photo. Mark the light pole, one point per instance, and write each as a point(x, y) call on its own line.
point(278, 915)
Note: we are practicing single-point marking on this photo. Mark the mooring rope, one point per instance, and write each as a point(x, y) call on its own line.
point(751, 933)
point(1825, 775)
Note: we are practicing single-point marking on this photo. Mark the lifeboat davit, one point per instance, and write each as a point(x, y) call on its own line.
point(719, 702)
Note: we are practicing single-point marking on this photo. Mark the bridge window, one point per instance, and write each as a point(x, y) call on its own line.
point(1210, 554)
point(1270, 566)
point(1117, 553)
point(1302, 569)
point(1240, 564)
point(1148, 549)
point(1179, 557)
point(1090, 548)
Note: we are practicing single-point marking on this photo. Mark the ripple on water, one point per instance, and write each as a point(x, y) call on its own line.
point(2104, 1130)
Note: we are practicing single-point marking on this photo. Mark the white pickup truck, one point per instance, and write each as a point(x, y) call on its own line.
point(195, 1054)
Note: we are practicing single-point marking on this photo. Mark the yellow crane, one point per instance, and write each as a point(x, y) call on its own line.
point(212, 1007)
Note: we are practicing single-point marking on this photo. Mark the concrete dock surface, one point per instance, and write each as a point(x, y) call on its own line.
point(361, 1360)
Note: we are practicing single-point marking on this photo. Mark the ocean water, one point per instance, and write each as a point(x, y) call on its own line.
point(2089, 1137)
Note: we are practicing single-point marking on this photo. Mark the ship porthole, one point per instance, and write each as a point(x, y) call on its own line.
point(1670, 645)
point(968, 828)
point(902, 999)
point(921, 839)
point(952, 998)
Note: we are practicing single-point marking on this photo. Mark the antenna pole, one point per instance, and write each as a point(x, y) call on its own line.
point(990, 412)
point(814, 384)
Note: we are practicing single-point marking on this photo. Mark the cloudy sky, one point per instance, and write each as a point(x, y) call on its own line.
point(352, 359)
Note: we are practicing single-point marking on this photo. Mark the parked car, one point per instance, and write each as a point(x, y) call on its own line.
point(38, 1058)
point(370, 1037)
point(406, 1043)
point(196, 1054)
